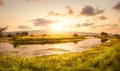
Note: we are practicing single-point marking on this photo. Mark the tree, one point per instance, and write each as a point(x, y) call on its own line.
point(104, 34)
point(24, 34)
point(44, 34)
point(1, 30)
point(75, 34)
point(1, 35)
point(9, 35)
point(104, 37)
point(117, 36)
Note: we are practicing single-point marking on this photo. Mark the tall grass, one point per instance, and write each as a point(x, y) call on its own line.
point(104, 57)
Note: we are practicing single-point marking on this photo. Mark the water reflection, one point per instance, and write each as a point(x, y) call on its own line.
point(47, 49)
point(16, 45)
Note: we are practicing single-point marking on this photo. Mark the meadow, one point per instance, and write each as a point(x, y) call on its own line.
point(104, 57)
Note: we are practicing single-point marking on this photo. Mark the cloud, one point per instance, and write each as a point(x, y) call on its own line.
point(23, 27)
point(32, 0)
point(119, 19)
point(87, 24)
point(105, 25)
point(117, 6)
point(69, 10)
point(100, 18)
point(42, 22)
point(50, 13)
point(1, 3)
point(90, 11)
point(78, 25)
point(87, 10)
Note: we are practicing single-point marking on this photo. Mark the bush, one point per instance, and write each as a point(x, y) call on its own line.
point(75, 34)
point(103, 40)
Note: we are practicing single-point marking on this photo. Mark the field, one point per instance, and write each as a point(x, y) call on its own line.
point(104, 57)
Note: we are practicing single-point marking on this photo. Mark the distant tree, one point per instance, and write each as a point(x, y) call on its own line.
point(103, 40)
point(32, 35)
point(104, 34)
point(2, 30)
point(1, 35)
point(9, 35)
point(18, 34)
point(44, 35)
point(117, 36)
point(75, 34)
point(24, 34)
point(104, 37)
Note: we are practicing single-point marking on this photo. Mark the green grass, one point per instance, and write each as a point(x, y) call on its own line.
point(105, 57)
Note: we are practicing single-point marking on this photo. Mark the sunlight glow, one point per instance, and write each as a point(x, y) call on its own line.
point(58, 26)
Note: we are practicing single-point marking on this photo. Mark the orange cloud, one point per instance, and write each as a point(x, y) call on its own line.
point(50, 13)
point(117, 6)
point(100, 18)
point(42, 22)
point(69, 10)
point(90, 11)
point(23, 27)
point(32, 0)
point(1, 3)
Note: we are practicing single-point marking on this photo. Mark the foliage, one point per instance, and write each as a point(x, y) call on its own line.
point(117, 36)
point(9, 35)
point(75, 34)
point(1, 31)
point(104, 36)
point(1, 34)
point(104, 33)
point(22, 33)
point(104, 40)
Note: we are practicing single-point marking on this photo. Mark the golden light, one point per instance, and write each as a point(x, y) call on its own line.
point(57, 26)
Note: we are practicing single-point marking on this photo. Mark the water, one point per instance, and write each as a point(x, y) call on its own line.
point(47, 49)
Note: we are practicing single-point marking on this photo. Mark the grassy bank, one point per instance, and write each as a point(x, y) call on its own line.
point(104, 57)
point(46, 39)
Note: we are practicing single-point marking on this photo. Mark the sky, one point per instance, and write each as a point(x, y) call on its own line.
point(61, 15)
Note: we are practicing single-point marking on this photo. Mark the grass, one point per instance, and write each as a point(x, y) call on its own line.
point(46, 39)
point(105, 57)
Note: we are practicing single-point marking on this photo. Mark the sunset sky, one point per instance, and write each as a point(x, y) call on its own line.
point(61, 15)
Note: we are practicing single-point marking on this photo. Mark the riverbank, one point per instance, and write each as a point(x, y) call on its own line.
point(103, 57)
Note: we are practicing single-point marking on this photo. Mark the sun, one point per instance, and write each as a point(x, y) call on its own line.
point(57, 26)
